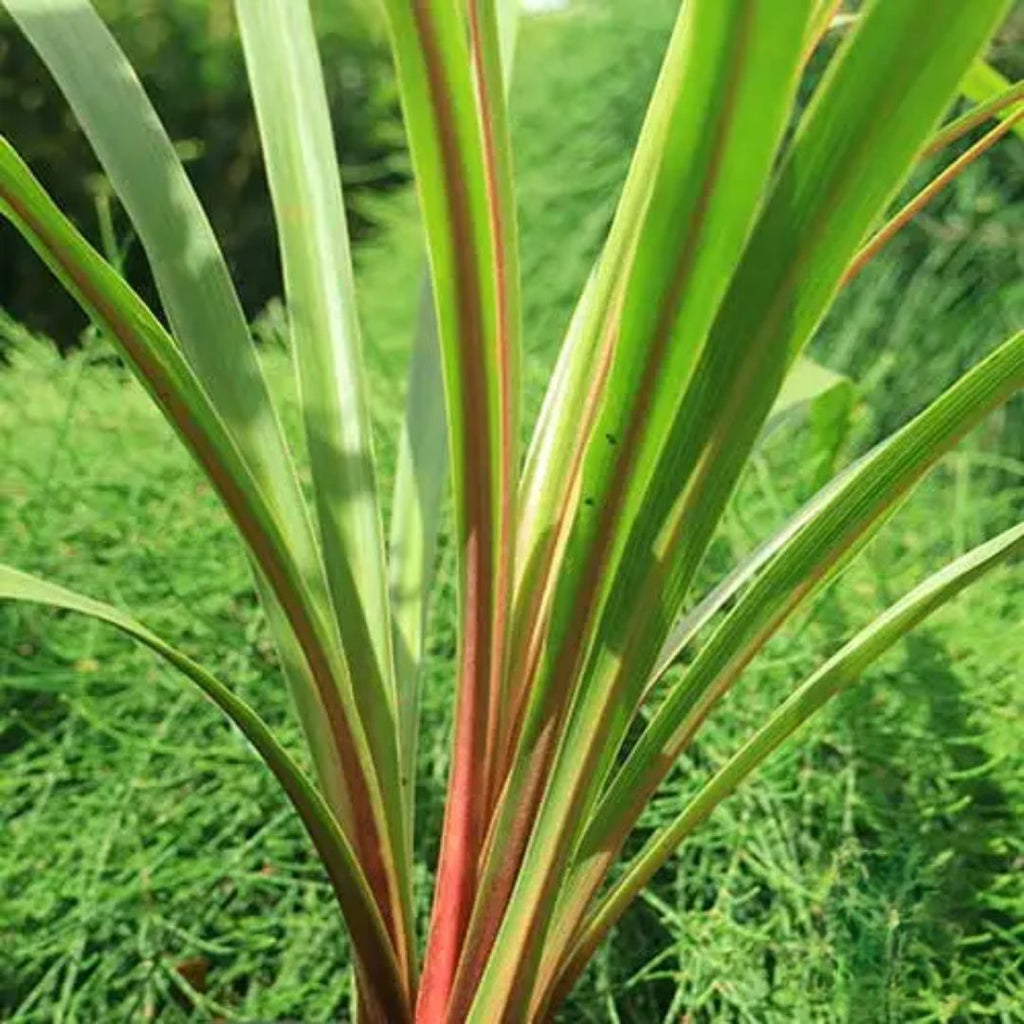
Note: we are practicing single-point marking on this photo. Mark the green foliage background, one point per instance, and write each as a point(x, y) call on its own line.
point(188, 56)
point(870, 873)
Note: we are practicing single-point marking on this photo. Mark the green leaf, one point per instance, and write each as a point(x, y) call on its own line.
point(163, 371)
point(930, 191)
point(839, 672)
point(291, 107)
point(806, 382)
point(294, 122)
point(690, 624)
point(490, 79)
point(730, 72)
point(983, 83)
point(846, 161)
point(449, 74)
point(827, 399)
point(192, 278)
point(548, 492)
point(858, 139)
point(809, 552)
point(550, 484)
point(369, 936)
point(1004, 104)
point(155, 359)
point(196, 290)
point(420, 475)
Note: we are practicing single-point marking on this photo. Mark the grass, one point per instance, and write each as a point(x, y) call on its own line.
point(868, 874)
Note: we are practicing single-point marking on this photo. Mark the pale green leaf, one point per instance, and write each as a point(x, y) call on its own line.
point(294, 122)
point(449, 76)
point(805, 382)
point(198, 296)
point(690, 624)
point(420, 476)
point(291, 107)
point(812, 550)
point(878, 101)
point(162, 369)
point(200, 301)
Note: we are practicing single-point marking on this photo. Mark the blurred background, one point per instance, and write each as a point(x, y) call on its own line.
point(186, 53)
point(149, 868)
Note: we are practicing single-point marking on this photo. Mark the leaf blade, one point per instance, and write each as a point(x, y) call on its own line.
point(983, 82)
point(840, 671)
point(286, 79)
point(453, 125)
point(808, 552)
point(847, 159)
point(701, 203)
point(421, 468)
point(196, 290)
point(358, 907)
point(161, 368)
point(914, 206)
point(193, 282)
point(291, 107)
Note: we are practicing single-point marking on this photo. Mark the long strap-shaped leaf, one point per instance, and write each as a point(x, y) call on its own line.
point(831, 187)
point(161, 368)
point(1003, 104)
point(291, 107)
point(421, 470)
point(807, 553)
point(983, 82)
point(550, 490)
point(723, 593)
point(807, 385)
point(808, 381)
point(369, 935)
point(730, 72)
point(914, 206)
point(192, 278)
point(195, 287)
point(839, 672)
point(548, 494)
point(490, 80)
point(421, 482)
point(448, 72)
point(834, 182)
point(294, 121)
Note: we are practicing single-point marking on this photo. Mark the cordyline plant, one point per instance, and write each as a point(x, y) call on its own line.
point(742, 216)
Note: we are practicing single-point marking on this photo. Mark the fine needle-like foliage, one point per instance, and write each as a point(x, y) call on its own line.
point(743, 214)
